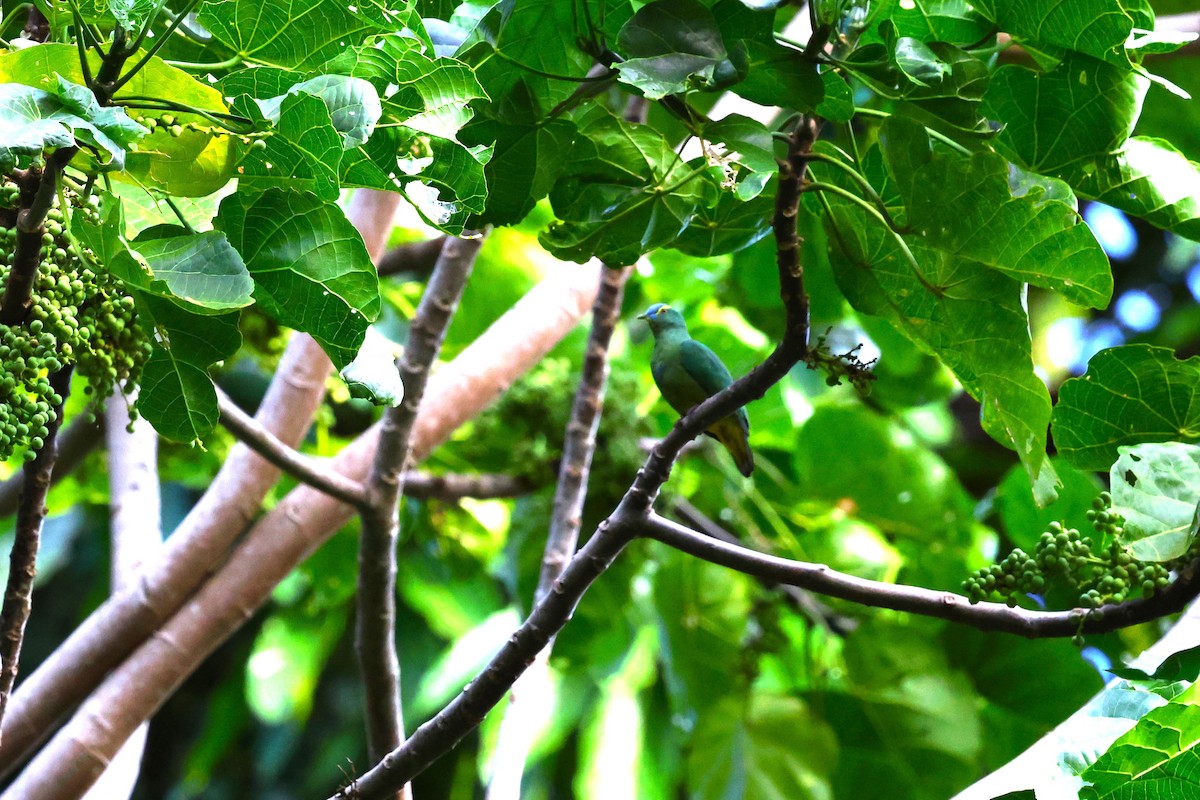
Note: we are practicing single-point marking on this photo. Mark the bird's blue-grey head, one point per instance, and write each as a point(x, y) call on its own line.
point(661, 316)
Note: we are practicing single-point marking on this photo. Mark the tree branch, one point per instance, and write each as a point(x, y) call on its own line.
point(418, 258)
point(579, 444)
point(802, 599)
point(375, 606)
point(31, 512)
point(464, 712)
point(38, 189)
point(297, 525)
point(75, 440)
point(135, 530)
point(301, 467)
point(927, 602)
point(426, 486)
point(198, 545)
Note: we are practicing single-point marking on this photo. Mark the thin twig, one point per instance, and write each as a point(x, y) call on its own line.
point(31, 512)
point(375, 618)
point(76, 440)
point(928, 602)
point(464, 712)
point(301, 467)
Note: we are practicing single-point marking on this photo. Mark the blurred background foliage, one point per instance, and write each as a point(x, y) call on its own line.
point(674, 675)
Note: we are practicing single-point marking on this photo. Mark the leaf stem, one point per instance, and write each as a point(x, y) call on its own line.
point(216, 117)
point(941, 137)
point(505, 57)
point(158, 45)
point(861, 180)
point(212, 66)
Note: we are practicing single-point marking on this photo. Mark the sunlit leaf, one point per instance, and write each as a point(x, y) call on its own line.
point(1129, 395)
point(1156, 487)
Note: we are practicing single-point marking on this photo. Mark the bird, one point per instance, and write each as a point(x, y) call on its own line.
point(687, 373)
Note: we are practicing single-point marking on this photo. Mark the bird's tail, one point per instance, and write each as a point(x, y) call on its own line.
point(736, 440)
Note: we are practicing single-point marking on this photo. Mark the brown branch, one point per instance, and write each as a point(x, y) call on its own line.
point(38, 187)
point(927, 602)
point(135, 531)
point(31, 512)
point(297, 525)
point(426, 486)
point(580, 441)
point(579, 445)
point(464, 712)
point(417, 258)
point(299, 466)
point(375, 606)
point(802, 599)
point(196, 548)
point(76, 440)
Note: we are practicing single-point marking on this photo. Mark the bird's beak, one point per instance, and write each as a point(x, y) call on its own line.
point(642, 316)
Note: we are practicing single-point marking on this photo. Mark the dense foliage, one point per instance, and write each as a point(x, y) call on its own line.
point(175, 182)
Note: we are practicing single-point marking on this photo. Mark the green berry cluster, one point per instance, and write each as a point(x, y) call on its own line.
point(79, 316)
point(1100, 572)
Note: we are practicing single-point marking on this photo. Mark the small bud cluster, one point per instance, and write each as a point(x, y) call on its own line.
point(79, 316)
point(1104, 573)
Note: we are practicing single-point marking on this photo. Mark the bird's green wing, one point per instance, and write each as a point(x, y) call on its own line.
point(703, 366)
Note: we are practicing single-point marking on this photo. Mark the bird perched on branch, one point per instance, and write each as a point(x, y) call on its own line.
point(688, 373)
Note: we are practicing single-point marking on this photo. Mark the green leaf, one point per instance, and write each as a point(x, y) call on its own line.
point(530, 154)
point(193, 164)
point(765, 746)
point(517, 39)
point(1129, 395)
point(1028, 237)
point(1158, 758)
point(731, 226)
point(352, 103)
point(892, 481)
point(1147, 178)
point(283, 34)
point(177, 396)
point(430, 95)
point(1155, 488)
point(303, 153)
point(200, 268)
point(702, 613)
point(745, 148)
point(311, 270)
point(33, 122)
point(1098, 28)
point(623, 193)
point(944, 82)
point(670, 46)
point(372, 374)
point(971, 315)
point(1144, 177)
point(1000, 668)
point(1097, 102)
point(954, 21)
point(1183, 665)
